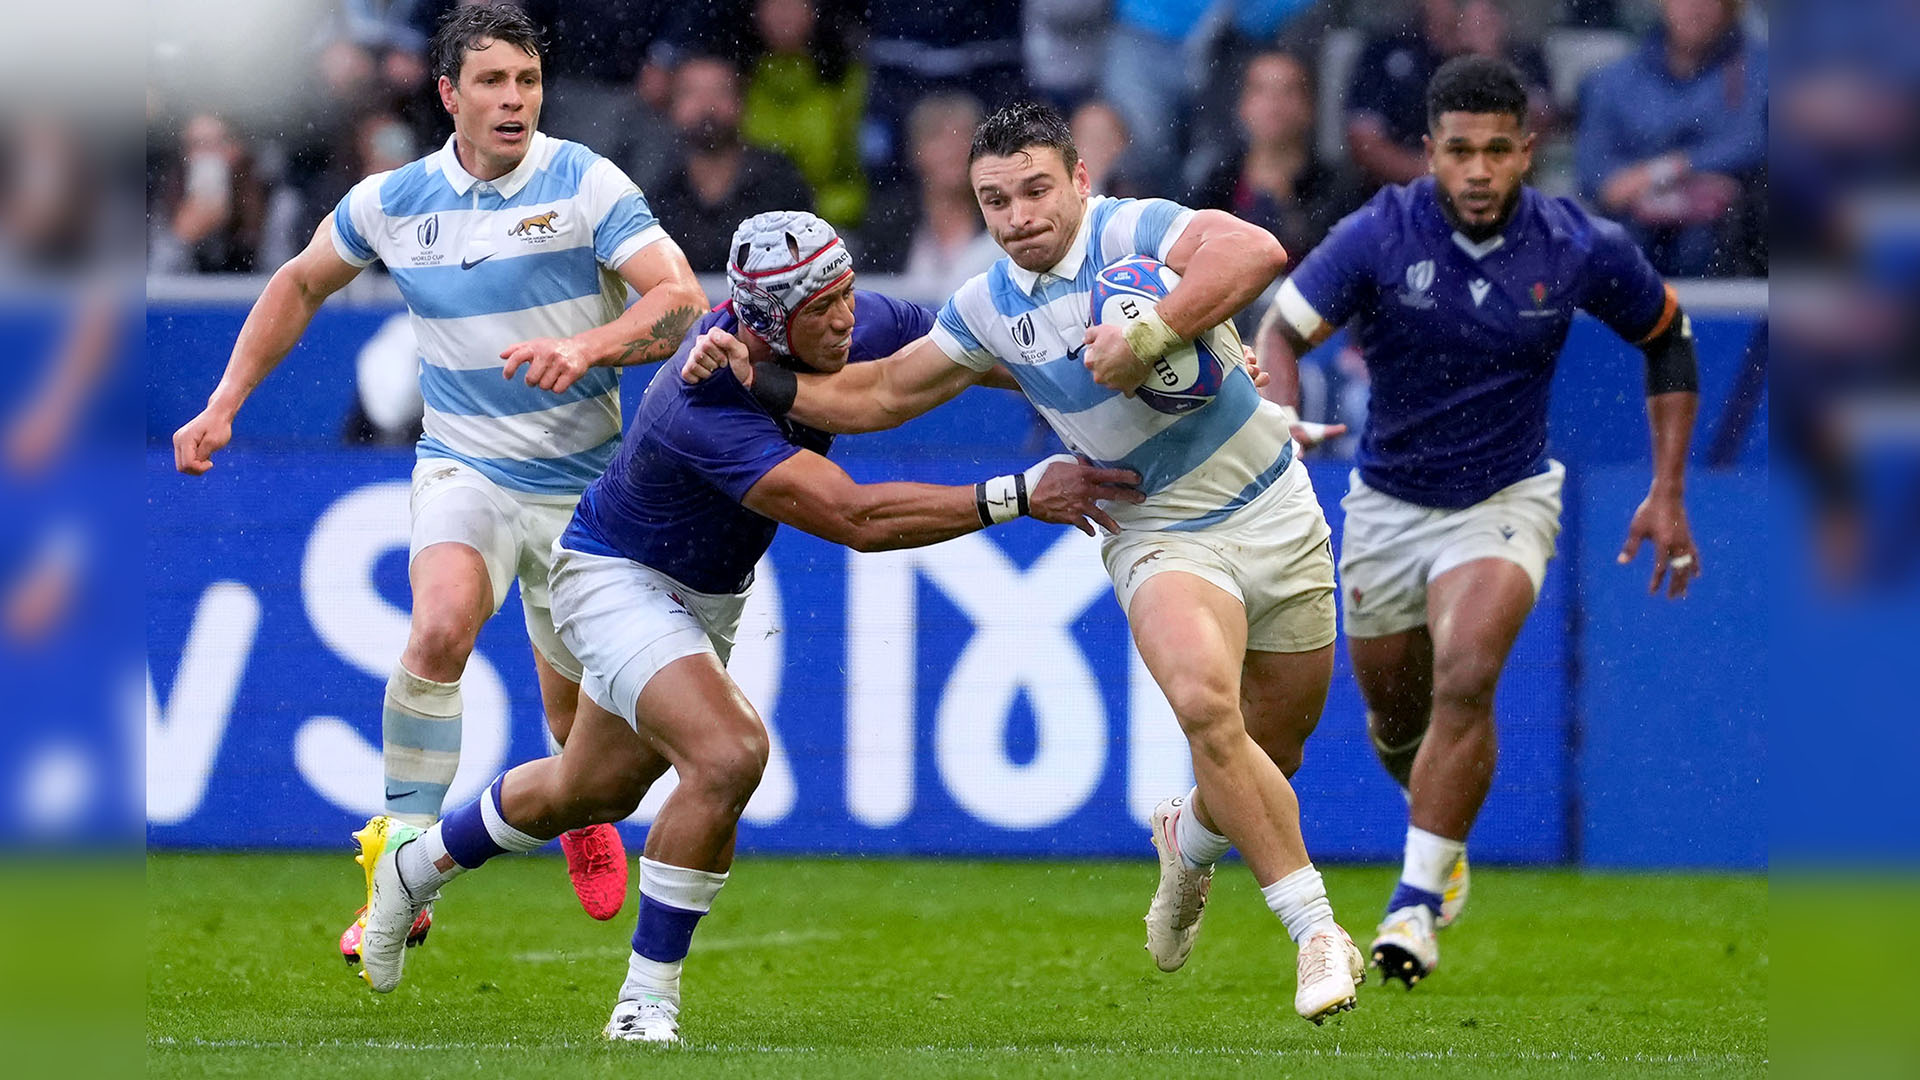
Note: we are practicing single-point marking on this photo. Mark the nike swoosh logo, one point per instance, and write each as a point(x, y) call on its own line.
point(392, 795)
point(465, 265)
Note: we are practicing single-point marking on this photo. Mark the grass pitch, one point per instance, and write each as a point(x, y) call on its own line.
point(896, 968)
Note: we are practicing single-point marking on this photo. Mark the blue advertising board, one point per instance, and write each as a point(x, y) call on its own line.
point(976, 698)
point(915, 709)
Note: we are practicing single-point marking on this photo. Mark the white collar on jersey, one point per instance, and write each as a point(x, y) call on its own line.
point(509, 185)
point(1482, 249)
point(1069, 265)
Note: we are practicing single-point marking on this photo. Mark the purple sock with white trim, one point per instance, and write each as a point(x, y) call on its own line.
point(672, 901)
point(471, 835)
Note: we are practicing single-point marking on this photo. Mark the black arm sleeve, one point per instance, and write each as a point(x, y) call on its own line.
point(1672, 365)
point(774, 387)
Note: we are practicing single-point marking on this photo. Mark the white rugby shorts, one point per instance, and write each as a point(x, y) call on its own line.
point(626, 621)
point(1391, 549)
point(1275, 556)
point(513, 532)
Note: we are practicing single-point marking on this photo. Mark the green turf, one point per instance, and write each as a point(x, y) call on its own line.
point(837, 968)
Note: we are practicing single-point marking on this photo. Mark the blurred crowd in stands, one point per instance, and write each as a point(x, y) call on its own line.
point(1288, 113)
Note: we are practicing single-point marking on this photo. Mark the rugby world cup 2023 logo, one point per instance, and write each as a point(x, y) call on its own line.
point(1024, 337)
point(428, 234)
point(1419, 282)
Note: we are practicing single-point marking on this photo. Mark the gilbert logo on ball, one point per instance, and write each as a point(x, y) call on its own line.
point(1190, 374)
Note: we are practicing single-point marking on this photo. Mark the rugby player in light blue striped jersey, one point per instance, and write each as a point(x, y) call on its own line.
point(513, 251)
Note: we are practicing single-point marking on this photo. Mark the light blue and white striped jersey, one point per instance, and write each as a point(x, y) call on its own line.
point(486, 264)
point(1197, 468)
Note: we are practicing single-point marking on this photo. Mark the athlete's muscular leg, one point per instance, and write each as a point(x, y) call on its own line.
point(1282, 696)
point(1474, 612)
point(1193, 638)
point(560, 696)
point(600, 775)
point(701, 722)
point(452, 598)
point(1395, 673)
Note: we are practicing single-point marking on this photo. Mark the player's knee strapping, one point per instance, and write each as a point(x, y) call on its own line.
point(1386, 750)
point(419, 744)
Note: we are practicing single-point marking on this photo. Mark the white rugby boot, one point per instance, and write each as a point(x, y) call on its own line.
point(391, 910)
point(1404, 947)
point(1330, 970)
point(1173, 919)
point(646, 1020)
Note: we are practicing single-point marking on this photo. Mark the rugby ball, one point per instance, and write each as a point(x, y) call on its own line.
point(1188, 376)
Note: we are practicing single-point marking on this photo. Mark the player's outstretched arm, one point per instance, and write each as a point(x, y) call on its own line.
point(872, 396)
point(915, 380)
point(646, 333)
point(273, 327)
point(811, 493)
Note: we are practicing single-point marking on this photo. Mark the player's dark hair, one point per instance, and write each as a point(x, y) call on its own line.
point(1017, 127)
point(1476, 84)
point(466, 28)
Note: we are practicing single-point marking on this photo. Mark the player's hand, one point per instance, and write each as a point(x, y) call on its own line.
point(552, 363)
point(1260, 378)
point(1309, 434)
point(199, 439)
point(1065, 491)
point(1111, 360)
point(1662, 521)
point(713, 350)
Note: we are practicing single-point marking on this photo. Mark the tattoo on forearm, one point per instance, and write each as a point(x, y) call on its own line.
point(661, 340)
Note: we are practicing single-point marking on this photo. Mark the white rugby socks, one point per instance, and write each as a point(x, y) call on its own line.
point(1429, 860)
point(1300, 900)
point(1200, 847)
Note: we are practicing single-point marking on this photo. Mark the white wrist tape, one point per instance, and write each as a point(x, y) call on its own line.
point(1001, 499)
point(1004, 498)
point(1150, 337)
point(1309, 433)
